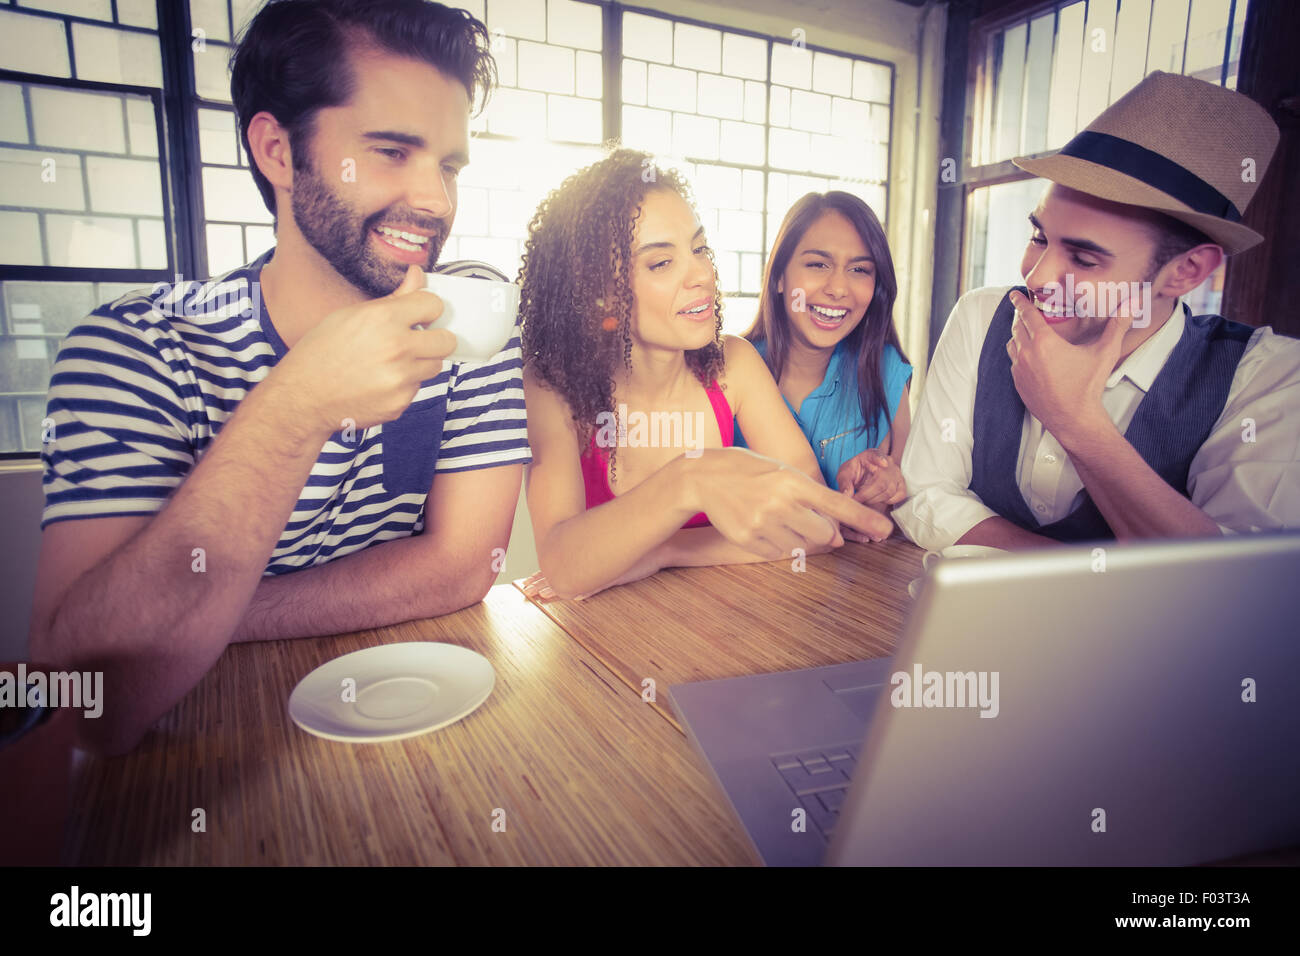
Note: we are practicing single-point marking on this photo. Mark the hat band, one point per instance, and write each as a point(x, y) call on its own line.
point(1155, 170)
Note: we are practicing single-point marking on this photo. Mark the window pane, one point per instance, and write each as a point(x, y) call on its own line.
point(211, 73)
point(141, 127)
point(573, 119)
point(832, 74)
point(77, 120)
point(646, 129)
point(1009, 91)
point(720, 184)
point(695, 136)
point(722, 96)
point(229, 195)
point(225, 248)
point(1038, 79)
point(779, 106)
point(243, 11)
point(20, 239)
point(741, 143)
point(810, 111)
point(91, 241)
point(745, 57)
point(1131, 47)
point(791, 66)
point(755, 101)
point(1207, 33)
point(518, 18)
point(1098, 56)
point(211, 17)
point(590, 75)
point(116, 56)
point(789, 148)
point(124, 185)
point(998, 231)
point(139, 13)
point(574, 24)
point(217, 137)
point(634, 82)
point(55, 175)
point(871, 81)
point(697, 48)
point(647, 38)
point(545, 68)
point(671, 88)
point(851, 118)
point(1168, 30)
point(152, 240)
point(517, 113)
point(32, 44)
point(738, 313)
point(90, 9)
point(1065, 76)
point(13, 114)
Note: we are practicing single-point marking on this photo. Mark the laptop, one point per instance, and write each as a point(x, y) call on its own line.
point(1089, 705)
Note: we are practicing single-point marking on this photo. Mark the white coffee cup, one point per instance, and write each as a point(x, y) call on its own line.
point(958, 551)
point(952, 553)
point(481, 314)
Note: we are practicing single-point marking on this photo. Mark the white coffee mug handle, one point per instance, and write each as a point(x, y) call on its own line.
point(930, 557)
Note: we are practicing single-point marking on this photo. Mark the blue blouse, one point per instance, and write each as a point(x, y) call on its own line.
point(832, 412)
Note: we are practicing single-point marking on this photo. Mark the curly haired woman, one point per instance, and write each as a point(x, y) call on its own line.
point(620, 313)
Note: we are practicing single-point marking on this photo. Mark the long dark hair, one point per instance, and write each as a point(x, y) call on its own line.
point(292, 59)
point(576, 278)
point(876, 330)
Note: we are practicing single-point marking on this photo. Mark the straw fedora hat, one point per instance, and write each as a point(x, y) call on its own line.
point(1175, 144)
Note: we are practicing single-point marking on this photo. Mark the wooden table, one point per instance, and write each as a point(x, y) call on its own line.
point(691, 624)
point(585, 770)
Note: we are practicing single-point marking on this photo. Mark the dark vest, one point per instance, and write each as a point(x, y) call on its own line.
point(1171, 423)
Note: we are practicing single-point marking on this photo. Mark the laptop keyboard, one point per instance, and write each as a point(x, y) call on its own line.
point(820, 779)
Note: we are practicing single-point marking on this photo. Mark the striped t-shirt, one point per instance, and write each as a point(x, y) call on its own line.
point(141, 388)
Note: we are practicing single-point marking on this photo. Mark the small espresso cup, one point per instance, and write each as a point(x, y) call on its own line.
point(953, 553)
point(479, 312)
point(958, 551)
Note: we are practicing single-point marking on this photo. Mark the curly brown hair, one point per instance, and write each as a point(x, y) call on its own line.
point(575, 278)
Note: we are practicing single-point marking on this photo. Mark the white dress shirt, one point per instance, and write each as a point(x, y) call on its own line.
point(1243, 485)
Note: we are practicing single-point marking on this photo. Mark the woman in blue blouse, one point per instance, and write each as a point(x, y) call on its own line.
point(825, 328)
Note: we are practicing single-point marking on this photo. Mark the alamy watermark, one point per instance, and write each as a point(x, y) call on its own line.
point(923, 688)
point(1100, 299)
point(230, 300)
point(33, 689)
point(624, 429)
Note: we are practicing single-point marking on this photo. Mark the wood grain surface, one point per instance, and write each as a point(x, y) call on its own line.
point(586, 772)
point(691, 624)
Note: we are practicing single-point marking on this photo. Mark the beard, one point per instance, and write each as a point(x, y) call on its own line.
point(342, 235)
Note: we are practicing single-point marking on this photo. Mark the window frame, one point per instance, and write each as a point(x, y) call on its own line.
point(980, 72)
point(177, 103)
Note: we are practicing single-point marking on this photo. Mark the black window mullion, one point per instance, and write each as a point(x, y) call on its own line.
point(180, 140)
point(612, 66)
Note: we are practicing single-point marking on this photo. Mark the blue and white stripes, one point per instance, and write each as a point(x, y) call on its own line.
point(144, 385)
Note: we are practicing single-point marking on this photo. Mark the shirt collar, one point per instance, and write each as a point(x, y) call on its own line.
point(1142, 367)
point(835, 368)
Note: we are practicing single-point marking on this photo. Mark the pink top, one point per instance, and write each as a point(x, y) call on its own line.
point(595, 461)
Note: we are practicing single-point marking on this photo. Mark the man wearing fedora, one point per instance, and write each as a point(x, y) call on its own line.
point(1090, 404)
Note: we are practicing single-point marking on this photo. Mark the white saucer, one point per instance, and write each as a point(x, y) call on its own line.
point(400, 690)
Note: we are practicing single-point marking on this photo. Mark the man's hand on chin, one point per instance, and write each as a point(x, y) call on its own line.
point(1061, 384)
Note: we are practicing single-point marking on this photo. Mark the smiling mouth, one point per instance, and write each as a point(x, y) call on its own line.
point(402, 239)
point(824, 317)
point(1052, 317)
point(697, 310)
